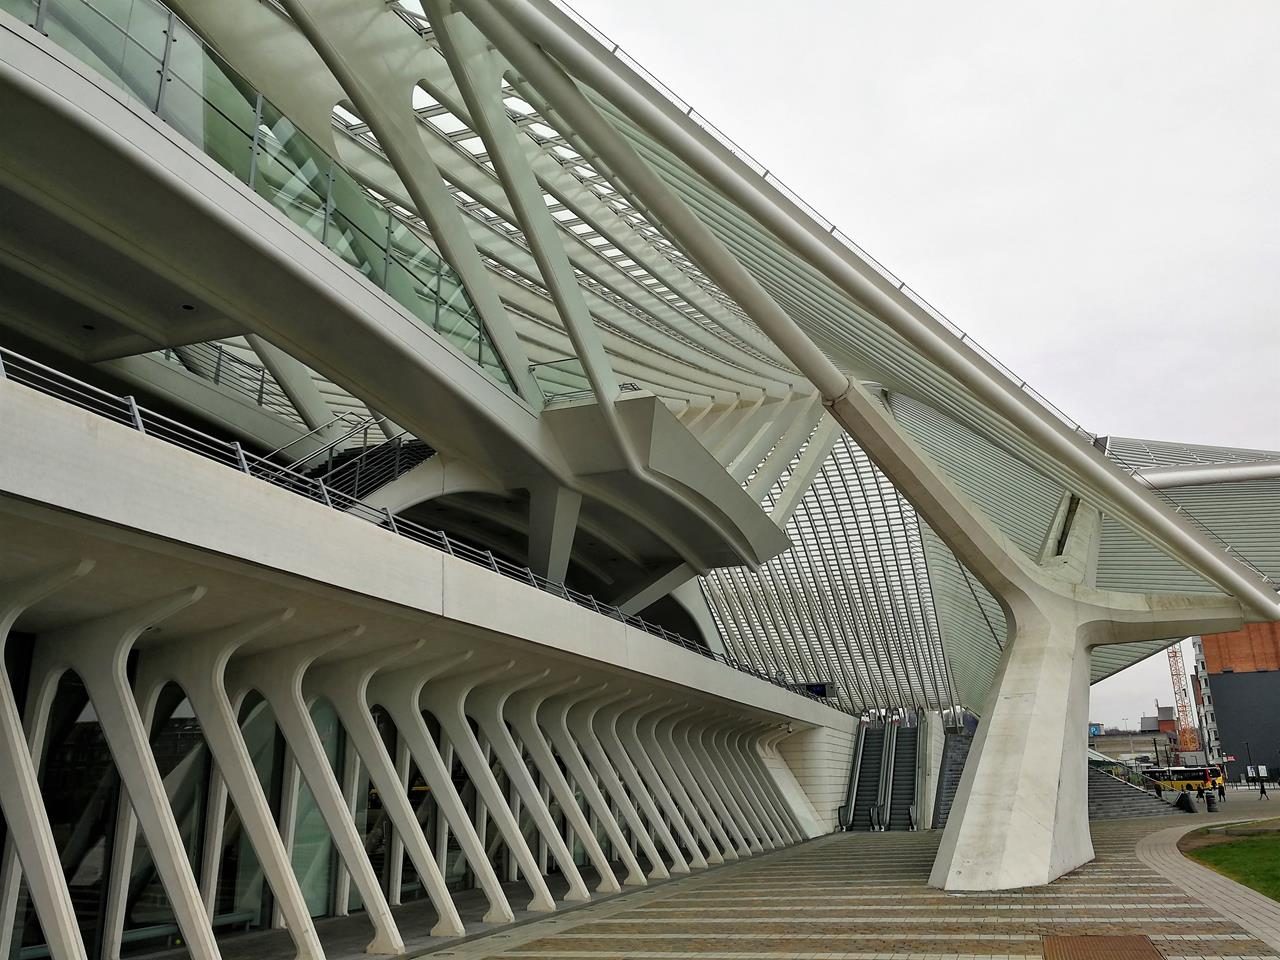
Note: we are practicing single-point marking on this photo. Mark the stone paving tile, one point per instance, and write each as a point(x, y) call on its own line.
point(866, 897)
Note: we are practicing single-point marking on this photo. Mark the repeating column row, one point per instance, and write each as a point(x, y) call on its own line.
point(256, 780)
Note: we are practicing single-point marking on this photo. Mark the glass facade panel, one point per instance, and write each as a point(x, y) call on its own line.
point(141, 46)
point(24, 10)
point(244, 900)
point(92, 35)
point(184, 765)
point(291, 172)
point(80, 789)
point(314, 855)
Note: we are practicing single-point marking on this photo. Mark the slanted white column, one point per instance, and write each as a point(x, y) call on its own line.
point(684, 733)
point(522, 712)
point(579, 720)
point(399, 691)
point(29, 840)
point(98, 651)
point(198, 664)
point(606, 729)
point(346, 684)
point(646, 731)
point(724, 739)
point(703, 742)
point(486, 706)
point(555, 719)
point(629, 738)
point(663, 735)
point(278, 676)
point(446, 698)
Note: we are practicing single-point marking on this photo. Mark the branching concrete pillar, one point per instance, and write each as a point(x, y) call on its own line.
point(446, 698)
point(665, 739)
point(346, 685)
point(278, 676)
point(522, 712)
point(699, 769)
point(606, 729)
point(646, 730)
point(29, 841)
point(580, 720)
point(485, 706)
point(1021, 817)
point(198, 664)
point(555, 718)
point(399, 692)
point(98, 651)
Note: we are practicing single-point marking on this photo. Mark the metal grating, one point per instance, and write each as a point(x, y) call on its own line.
point(1100, 948)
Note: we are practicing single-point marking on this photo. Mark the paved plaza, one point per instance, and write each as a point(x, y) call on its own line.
point(865, 897)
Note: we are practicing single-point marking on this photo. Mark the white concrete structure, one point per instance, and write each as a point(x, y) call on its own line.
point(445, 479)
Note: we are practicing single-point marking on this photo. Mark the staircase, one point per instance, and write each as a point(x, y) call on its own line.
point(360, 471)
point(868, 791)
point(1111, 798)
point(902, 786)
point(955, 752)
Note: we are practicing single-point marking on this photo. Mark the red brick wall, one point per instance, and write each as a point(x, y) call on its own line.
point(1256, 647)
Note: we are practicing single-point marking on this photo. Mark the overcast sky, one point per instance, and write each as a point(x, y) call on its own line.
point(1091, 188)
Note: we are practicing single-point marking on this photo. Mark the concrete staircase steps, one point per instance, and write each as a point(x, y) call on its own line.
point(1113, 799)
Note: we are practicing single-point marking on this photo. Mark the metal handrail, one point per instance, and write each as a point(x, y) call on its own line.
point(345, 416)
point(29, 373)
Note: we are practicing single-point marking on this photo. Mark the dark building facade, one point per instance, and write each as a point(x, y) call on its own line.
point(1243, 670)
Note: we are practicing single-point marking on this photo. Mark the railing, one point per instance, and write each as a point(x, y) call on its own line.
point(128, 412)
point(214, 362)
point(565, 380)
point(378, 465)
point(146, 50)
point(1131, 776)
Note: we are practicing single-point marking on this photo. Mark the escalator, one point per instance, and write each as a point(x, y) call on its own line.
point(902, 782)
point(866, 789)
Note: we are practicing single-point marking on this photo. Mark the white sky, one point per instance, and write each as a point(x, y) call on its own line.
point(1088, 188)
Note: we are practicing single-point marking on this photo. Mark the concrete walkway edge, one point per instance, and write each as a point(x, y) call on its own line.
point(1255, 913)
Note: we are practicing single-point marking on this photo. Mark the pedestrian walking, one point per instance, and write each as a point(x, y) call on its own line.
point(1262, 789)
point(1222, 789)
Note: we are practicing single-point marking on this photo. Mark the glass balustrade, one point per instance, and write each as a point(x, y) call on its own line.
point(142, 47)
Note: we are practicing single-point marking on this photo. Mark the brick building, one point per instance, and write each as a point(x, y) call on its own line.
point(1240, 680)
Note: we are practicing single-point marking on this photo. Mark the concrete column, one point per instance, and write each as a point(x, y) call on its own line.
point(731, 739)
point(606, 730)
point(446, 699)
point(629, 739)
point(399, 692)
point(522, 712)
point(346, 685)
point(198, 664)
point(646, 731)
point(762, 748)
point(486, 706)
point(665, 739)
point(682, 737)
point(555, 718)
point(553, 520)
point(98, 651)
point(580, 720)
point(1021, 818)
point(278, 676)
point(29, 840)
point(736, 796)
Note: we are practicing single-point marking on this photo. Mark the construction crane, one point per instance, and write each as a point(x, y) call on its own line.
point(1188, 739)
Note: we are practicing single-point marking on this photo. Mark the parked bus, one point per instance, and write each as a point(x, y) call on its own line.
point(1186, 778)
